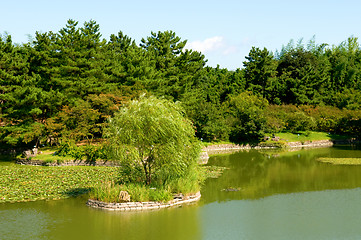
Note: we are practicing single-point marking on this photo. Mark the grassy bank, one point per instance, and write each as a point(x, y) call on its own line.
point(49, 157)
point(308, 136)
point(284, 138)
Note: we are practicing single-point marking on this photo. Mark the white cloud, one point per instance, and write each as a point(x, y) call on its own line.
point(217, 45)
point(207, 45)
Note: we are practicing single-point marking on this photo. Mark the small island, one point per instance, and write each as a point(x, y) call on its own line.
point(157, 151)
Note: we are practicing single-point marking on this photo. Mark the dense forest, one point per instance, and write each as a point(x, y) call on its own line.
point(65, 85)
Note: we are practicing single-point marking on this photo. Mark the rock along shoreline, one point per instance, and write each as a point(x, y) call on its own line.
point(143, 206)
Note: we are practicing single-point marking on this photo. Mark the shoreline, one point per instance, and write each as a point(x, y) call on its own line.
point(204, 155)
point(144, 206)
point(35, 162)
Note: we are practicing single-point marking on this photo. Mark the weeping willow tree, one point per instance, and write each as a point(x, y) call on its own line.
point(153, 141)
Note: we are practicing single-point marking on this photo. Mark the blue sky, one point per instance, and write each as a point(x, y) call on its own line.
point(224, 31)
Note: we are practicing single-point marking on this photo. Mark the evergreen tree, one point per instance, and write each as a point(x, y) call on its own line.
point(175, 67)
point(260, 69)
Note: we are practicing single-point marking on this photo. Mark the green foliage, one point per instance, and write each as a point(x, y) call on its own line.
point(89, 153)
point(175, 67)
point(290, 118)
point(247, 117)
point(66, 148)
point(110, 192)
point(306, 71)
point(260, 69)
point(189, 183)
point(152, 134)
point(205, 102)
point(66, 84)
point(299, 121)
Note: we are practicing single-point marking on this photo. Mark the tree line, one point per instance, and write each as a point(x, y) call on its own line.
point(64, 86)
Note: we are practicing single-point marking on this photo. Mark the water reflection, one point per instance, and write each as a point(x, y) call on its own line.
point(259, 174)
point(72, 219)
point(23, 224)
point(332, 214)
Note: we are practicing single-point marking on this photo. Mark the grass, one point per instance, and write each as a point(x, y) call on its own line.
point(49, 157)
point(308, 136)
point(30, 183)
point(110, 192)
point(341, 161)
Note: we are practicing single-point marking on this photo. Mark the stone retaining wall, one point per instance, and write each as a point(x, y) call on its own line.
point(203, 158)
point(229, 148)
point(24, 161)
point(141, 206)
point(319, 143)
point(224, 148)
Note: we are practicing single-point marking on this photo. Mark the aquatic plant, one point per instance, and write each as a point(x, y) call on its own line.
point(341, 161)
point(30, 183)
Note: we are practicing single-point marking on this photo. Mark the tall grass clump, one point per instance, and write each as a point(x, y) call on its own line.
point(111, 192)
point(189, 183)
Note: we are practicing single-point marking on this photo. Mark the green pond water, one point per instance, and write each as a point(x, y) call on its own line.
point(263, 195)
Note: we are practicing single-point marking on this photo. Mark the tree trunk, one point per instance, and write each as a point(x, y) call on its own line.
point(147, 173)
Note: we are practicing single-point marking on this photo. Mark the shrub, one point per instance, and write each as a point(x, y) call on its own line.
point(299, 121)
point(90, 153)
point(247, 117)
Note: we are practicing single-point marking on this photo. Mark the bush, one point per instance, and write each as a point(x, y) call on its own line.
point(299, 121)
point(90, 153)
point(247, 118)
point(289, 118)
point(327, 118)
point(65, 149)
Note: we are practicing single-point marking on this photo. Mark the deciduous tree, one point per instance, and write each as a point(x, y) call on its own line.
point(153, 140)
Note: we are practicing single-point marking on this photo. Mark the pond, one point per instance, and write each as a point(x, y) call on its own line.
point(263, 195)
